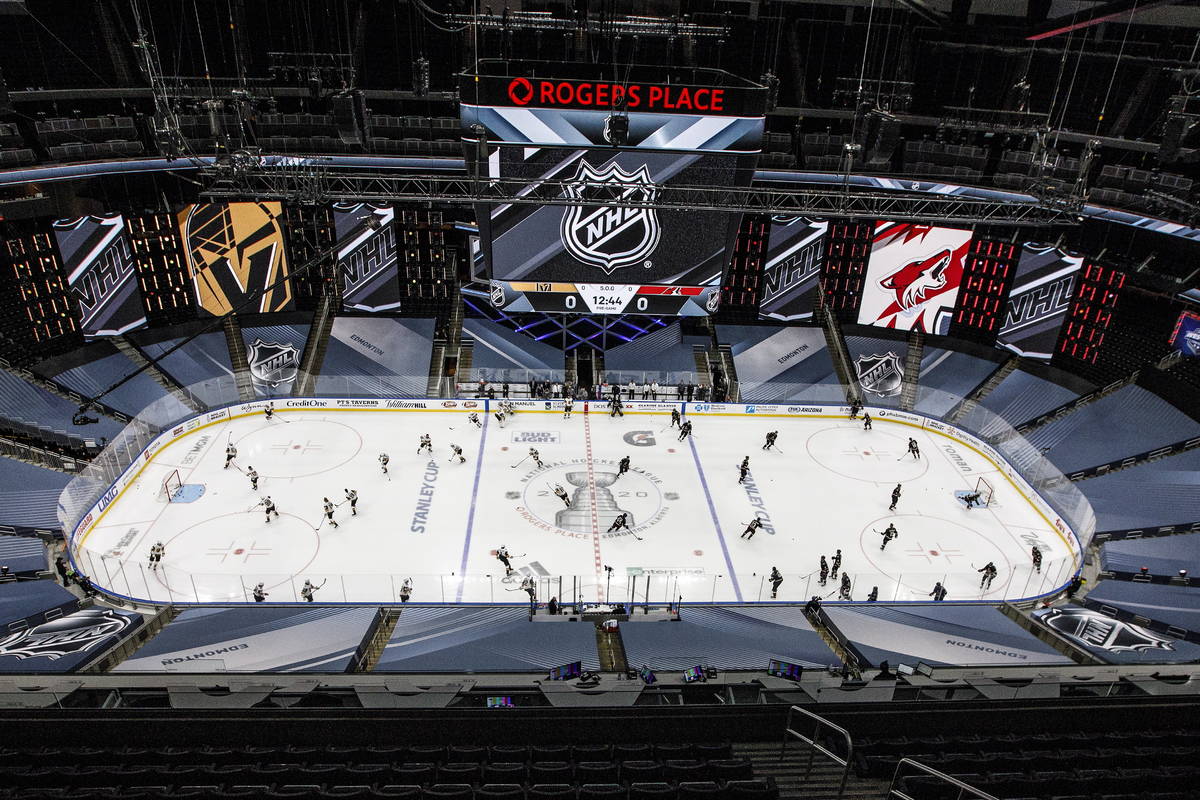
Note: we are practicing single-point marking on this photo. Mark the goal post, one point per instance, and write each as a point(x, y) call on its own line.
point(985, 491)
point(170, 487)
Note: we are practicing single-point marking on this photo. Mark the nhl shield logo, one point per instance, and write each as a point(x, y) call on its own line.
point(1104, 633)
point(272, 363)
point(880, 374)
point(497, 294)
point(611, 237)
point(75, 633)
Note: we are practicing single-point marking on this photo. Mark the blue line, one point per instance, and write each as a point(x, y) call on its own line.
point(462, 571)
point(737, 590)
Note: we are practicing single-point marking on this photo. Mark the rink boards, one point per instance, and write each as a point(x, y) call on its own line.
point(95, 514)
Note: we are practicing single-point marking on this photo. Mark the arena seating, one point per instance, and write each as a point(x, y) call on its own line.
point(1162, 556)
point(377, 356)
point(24, 556)
point(757, 349)
point(1022, 396)
point(935, 633)
point(946, 377)
point(467, 639)
point(624, 771)
point(28, 604)
point(1171, 609)
point(31, 405)
point(1132, 419)
point(501, 354)
point(29, 494)
point(665, 353)
point(321, 639)
point(1147, 495)
point(202, 365)
point(726, 638)
point(103, 371)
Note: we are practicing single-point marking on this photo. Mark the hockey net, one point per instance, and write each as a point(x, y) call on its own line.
point(985, 491)
point(170, 486)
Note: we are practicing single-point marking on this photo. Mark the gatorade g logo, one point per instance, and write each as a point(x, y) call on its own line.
point(639, 438)
point(520, 91)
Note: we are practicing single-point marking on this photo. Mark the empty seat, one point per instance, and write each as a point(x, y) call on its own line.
point(500, 791)
point(467, 753)
point(453, 773)
point(448, 791)
point(596, 772)
point(641, 771)
point(408, 792)
point(433, 753)
point(509, 752)
point(751, 790)
point(592, 752)
point(711, 750)
point(666, 750)
point(504, 772)
point(629, 751)
point(550, 772)
point(659, 790)
point(550, 752)
point(601, 791)
point(730, 769)
point(412, 772)
point(700, 790)
point(685, 770)
point(552, 791)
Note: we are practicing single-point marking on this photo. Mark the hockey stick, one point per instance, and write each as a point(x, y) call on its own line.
point(519, 463)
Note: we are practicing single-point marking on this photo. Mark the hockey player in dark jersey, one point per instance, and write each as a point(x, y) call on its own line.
point(685, 430)
point(674, 418)
point(623, 466)
point(824, 572)
point(621, 521)
point(776, 580)
point(754, 525)
point(895, 498)
point(914, 449)
point(771, 437)
point(888, 534)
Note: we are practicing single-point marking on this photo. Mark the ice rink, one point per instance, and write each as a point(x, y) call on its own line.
point(439, 522)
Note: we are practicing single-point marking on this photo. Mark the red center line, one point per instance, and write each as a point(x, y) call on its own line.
point(591, 473)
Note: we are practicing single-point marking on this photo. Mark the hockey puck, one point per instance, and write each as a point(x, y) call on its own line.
point(697, 552)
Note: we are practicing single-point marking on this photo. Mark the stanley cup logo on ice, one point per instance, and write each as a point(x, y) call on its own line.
point(611, 237)
point(578, 517)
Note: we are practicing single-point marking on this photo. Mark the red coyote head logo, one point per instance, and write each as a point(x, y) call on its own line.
point(915, 280)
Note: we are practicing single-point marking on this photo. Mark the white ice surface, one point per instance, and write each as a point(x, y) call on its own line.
point(440, 522)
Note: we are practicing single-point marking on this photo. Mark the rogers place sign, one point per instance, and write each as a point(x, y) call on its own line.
point(634, 96)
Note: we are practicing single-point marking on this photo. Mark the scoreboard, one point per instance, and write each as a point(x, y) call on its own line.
point(605, 298)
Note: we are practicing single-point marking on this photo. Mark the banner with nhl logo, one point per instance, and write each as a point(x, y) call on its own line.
point(274, 355)
point(101, 274)
point(792, 272)
point(1114, 640)
point(1186, 336)
point(1044, 284)
point(367, 255)
point(67, 643)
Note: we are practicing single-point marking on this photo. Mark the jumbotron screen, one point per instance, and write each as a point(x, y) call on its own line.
point(586, 256)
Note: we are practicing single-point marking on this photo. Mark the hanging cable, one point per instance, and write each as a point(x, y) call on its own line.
point(1116, 66)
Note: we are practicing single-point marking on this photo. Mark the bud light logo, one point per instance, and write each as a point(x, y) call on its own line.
point(535, 437)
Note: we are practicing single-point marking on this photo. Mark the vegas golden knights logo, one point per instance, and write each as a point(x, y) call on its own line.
point(234, 249)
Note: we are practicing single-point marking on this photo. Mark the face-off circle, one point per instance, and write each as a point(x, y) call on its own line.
point(300, 449)
point(932, 548)
point(637, 493)
point(873, 457)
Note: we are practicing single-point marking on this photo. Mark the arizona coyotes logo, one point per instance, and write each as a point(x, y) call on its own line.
point(611, 237)
point(74, 633)
point(913, 282)
point(272, 363)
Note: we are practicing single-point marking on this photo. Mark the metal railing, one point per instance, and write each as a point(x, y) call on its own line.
point(970, 791)
point(815, 746)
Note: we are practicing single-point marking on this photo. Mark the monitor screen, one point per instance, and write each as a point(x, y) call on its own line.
point(693, 674)
point(500, 702)
point(785, 669)
point(567, 671)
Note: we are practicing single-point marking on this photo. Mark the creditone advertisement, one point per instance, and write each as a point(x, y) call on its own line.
point(101, 274)
point(1044, 283)
point(913, 277)
point(367, 256)
point(792, 272)
point(234, 251)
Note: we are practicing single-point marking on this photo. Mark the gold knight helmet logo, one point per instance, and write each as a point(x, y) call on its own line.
point(234, 249)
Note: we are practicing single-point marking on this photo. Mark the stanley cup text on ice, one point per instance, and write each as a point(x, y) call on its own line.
point(579, 516)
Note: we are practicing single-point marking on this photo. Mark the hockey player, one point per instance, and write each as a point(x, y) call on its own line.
point(499, 415)
point(837, 562)
point(744, 469)
point(1036, 552)
point(269, 506)
point(771, 437)
point(824, 572)
point(615, 407)
point(866, 421)
point(568, 407)
point(854, 409)
point(622, 521)
point(888, 534)
point(776, 580)
point(535, 455)
point(971, 500)
point(308, 590)
point(269, 411)
point(473, 418)
point(406, 590)
point(455, 450)
point(989, 575)
point(685, 430)
point(895, 498)
point(529, 586)
point(260, 594)
point(674, 418)
point(844, 589)
point(426, 444)
point(383, 462)
point(252, 474)
point(623, 466)
point(939, 592)
point(505, 559)
point(352, 498)
point(329, 512)
point(914, 449)
point(156, 554)
point(874, 595)
point(754, 525)
point(230, 454)
point(562, 495)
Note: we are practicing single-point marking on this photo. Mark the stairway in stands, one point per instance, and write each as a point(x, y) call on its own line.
point(161, 378)
point(314, 349)
point(971, 401)
point(912, 370)
point(237, 358)
point(796, 782)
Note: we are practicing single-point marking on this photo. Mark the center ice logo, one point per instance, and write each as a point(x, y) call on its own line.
point(880, 375)
point(636, 493)
point(273, 363)
point(611, 237)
